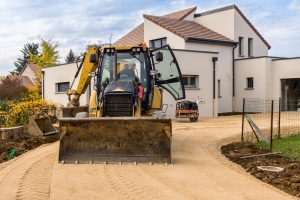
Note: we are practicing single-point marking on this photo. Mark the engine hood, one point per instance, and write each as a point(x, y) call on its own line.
point(120, 86)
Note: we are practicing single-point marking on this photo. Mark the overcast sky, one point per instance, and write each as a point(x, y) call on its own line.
point(76, 23)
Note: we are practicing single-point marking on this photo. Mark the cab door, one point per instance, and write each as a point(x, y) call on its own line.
point(167, 72)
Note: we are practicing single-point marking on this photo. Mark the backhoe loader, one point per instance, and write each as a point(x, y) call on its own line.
point(123, 122)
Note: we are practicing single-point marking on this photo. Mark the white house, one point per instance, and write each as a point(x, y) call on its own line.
point(222, 56)
point(56, 80)
point(30, 70)
point(206, 46)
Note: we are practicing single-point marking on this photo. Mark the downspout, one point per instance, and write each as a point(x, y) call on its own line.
point(43, 84)
point(233, 79)
point(214, 59)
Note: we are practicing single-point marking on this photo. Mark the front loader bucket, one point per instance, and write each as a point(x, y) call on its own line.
point(41, 125)
point(115, 139)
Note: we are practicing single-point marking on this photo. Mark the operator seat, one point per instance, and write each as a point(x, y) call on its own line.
point(127, 73)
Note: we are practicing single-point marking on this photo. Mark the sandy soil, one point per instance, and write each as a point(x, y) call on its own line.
point(199, 171)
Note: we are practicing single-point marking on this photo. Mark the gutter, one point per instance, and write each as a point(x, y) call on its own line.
point(233, 70)
point(43, 84)
point(190, 39)
point(214, 59)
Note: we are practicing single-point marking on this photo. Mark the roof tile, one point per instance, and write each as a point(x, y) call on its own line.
point(187, 29)
point(136, 36)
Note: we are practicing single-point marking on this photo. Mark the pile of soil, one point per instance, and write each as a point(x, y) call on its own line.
point(266, 166)
point(11, 149)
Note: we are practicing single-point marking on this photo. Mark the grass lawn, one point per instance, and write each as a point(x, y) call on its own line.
point(289, 146)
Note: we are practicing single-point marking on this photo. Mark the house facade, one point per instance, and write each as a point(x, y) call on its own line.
point(206, 49)
point(222, 56)
point(57, 80)
point(269, 78)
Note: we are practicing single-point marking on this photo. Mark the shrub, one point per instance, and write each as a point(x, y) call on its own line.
point(19, 112)
point(12, 89)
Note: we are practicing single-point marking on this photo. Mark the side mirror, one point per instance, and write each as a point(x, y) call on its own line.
point(159, 56)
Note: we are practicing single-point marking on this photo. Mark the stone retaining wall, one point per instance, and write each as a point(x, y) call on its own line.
point(14, 133)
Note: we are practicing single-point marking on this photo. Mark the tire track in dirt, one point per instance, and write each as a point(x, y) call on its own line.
point(35, 182)
point(20, 169)
point(131, 182)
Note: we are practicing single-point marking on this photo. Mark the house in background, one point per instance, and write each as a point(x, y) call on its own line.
point(23, 80)
point(206, 46)
point(222, 56)
point(27, 76)
point(30, 70)
point(58, 79)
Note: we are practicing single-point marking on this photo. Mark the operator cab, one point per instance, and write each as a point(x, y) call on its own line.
point(139, 69)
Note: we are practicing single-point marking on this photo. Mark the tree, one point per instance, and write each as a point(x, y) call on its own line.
point(49, 56)
point(22, 61)
point(70, 57)
point(12, 89)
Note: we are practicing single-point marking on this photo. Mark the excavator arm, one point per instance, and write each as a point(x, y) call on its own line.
point(89, 64)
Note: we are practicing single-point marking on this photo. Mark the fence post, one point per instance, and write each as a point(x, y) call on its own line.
point(242, 136)
point(271, 137)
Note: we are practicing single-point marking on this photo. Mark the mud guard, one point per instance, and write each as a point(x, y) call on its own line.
point(115, 139)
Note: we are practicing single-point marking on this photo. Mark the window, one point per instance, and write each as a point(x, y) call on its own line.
point(250, 83)
point(219, 88)
point(241, 46)
point(190, 81)
point(62, 87)
point(250, 47)
point(158, 43)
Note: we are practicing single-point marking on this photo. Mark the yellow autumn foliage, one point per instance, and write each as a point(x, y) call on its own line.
point(18, 113)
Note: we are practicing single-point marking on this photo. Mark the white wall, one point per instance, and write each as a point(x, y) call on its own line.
point(242, 29)
point(231, 24)
point(28, 72)
point(58, 74)
point(196, 63)
point(260, 70)
point(284, 69)
point(199, 63)
point(220, 22)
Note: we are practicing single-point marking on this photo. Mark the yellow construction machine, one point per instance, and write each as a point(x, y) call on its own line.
point(123, 122)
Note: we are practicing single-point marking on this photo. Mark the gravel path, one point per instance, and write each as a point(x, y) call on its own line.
point(199, 171)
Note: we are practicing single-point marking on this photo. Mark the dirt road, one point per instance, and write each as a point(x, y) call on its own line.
point(199, 171)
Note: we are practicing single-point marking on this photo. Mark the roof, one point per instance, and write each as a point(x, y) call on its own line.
point(188, 30)
point(25, 81)
point(136, 36)
point(33, 67)
point(242, 15)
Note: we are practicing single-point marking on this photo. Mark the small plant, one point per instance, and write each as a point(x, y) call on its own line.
point(12, 154)
point(6, 155)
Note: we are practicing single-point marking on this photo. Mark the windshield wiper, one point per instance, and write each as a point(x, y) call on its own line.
point(135, 57)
